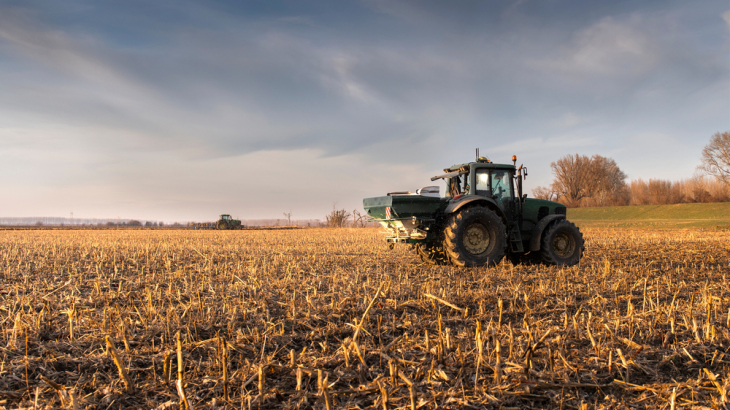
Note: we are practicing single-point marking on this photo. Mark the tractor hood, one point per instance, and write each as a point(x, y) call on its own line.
point(535, 209)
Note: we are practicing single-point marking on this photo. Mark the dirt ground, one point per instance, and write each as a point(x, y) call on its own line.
point(330, 318)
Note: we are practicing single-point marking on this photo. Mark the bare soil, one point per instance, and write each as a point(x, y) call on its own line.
point(330, 318)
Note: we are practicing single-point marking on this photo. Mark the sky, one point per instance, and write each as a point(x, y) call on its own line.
point(183, 110)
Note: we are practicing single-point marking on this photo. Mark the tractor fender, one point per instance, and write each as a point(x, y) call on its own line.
point(476, 200)
point(539, 228)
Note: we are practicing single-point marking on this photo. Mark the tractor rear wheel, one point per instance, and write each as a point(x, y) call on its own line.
point(475, 237)
point(221, 225)
point(433, 254)
point(562, 244)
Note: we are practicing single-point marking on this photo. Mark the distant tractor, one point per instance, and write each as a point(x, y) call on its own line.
point(226, 222)
point(482, 218)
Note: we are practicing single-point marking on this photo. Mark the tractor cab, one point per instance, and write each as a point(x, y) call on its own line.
point(226, 217)
point(497, 183)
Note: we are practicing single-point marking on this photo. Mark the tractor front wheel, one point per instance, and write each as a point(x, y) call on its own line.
point(475, 237)
point(562, 244)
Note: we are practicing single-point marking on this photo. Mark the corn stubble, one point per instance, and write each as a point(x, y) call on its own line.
point(330, 319)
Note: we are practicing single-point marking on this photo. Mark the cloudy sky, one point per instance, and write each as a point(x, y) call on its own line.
point(181, 110)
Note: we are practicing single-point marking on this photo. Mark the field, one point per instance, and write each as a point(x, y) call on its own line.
point(330, 318)
point(708, 216)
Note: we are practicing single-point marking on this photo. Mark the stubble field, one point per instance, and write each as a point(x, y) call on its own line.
point(330, 318)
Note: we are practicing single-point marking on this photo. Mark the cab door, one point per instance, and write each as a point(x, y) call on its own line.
point(497, 184)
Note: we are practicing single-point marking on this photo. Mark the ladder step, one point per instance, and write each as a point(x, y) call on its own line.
point(515, 239)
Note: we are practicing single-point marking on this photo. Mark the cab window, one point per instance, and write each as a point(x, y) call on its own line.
point(482, 180)
point(453, 186)
point(501, 184)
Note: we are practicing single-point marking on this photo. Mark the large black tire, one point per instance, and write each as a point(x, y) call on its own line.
point(432, 253)
point(475, 237)
point(562, 244)
point(221, 225)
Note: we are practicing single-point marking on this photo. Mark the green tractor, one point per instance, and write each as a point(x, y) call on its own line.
point(482, 218)
point(226, 222)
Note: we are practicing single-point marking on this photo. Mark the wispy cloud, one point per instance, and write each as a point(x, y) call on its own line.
point(608, 48)
point(147, 98)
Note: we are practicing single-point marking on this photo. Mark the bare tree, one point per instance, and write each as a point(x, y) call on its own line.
point(610, 182)
point(337, 218)
point(573, 180)
point(358, 219)
point(582, 180)
point(700, 188)
point(288, 218)
point(716, 157)
point(542, 192)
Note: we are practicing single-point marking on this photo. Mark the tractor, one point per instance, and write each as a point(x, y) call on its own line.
point(226, 222)
point(483, 217)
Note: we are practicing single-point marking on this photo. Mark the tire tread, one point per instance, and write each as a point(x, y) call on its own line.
point(548, 257)
point(451, 245)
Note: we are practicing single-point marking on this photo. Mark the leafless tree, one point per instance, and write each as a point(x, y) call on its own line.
point(358, 219)
point(610, 182)
point(337, 218)
point(573, 180)
point(288, 218)
point(542, 192)
point(699, 189)
point(582, 180)
point(716, 157)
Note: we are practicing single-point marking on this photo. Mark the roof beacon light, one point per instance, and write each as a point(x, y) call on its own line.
point(514, 160)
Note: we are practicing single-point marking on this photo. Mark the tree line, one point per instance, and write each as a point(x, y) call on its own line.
point(62, 221)
point(583, 181)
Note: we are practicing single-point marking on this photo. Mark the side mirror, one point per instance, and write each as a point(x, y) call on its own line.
point(524, 196)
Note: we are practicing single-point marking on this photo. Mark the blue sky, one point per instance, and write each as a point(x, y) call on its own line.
point(181, 110)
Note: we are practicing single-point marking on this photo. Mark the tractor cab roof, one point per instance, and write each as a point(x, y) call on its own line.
point(483, 164)
point(461, 169)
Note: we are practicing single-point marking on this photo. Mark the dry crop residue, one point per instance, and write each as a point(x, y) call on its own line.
point(282, 319)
